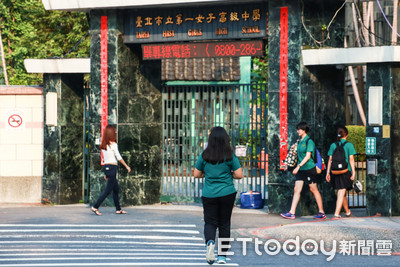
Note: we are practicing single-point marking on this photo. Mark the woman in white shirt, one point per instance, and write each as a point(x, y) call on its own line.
point(111, 156)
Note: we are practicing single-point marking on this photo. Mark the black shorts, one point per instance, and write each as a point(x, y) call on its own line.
point(342, 181)
point(308, 176)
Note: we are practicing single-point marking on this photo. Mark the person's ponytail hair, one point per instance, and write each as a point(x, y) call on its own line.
point(341, 132)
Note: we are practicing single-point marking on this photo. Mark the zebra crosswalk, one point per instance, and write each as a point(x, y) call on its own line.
point(101, 245)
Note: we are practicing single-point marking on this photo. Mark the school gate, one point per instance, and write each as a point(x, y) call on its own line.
point(189, 112)
point(127, 90)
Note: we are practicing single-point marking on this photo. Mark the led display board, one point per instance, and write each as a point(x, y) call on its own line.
point(203, 50)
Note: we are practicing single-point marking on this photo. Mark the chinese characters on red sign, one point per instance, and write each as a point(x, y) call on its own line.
point(283, 119)
point(104, 75)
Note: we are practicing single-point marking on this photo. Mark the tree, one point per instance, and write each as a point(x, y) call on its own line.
point(29, 31)
point(260, 68)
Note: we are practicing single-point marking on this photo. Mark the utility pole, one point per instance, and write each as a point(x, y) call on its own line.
point(394, 31)
point(3, 60)
point(371, 15)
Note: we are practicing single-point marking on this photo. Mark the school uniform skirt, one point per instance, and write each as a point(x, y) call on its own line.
point(342, 181)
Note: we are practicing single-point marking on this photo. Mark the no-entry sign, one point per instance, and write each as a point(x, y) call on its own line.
point(15, 119)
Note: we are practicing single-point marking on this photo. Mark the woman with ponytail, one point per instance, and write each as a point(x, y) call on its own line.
point(341, 169)
point(111, 156)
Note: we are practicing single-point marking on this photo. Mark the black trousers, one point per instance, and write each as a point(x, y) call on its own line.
point(217, 214)
point(112, 185)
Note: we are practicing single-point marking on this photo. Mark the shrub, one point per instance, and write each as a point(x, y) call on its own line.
point(357, 137)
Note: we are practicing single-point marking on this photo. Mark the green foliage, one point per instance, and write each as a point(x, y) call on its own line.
point(260, 68)
point(252, 139)
point(357, 137)
point(29, 31)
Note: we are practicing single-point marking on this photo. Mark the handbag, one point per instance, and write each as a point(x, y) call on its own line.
point(357, 185)
point(251, 200)
point(291, 158)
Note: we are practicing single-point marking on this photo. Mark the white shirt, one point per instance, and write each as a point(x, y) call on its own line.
point(111, 155)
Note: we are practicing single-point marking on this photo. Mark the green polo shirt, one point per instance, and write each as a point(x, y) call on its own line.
point(302, 149)
point(218, 180)
point(348, 150)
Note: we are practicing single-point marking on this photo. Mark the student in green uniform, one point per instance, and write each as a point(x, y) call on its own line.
point(342, 180)
point(305, 172)
point(219, 165)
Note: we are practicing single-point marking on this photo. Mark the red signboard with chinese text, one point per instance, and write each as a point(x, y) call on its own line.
point(104, 75)
point(283, 62)
point(203, 50)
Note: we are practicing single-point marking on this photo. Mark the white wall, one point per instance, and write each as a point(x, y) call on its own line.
point(21, 145)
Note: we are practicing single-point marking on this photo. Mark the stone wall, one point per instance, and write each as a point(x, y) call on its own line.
point(21, 144)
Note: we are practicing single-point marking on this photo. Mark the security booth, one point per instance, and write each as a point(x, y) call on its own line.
point(165, 72)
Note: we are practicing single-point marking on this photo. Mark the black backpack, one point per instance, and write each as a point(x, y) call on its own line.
point(339, 157)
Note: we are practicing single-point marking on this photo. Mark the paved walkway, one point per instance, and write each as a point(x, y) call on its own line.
point(272, 226)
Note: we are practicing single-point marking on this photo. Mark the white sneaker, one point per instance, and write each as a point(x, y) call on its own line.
point(210, 256)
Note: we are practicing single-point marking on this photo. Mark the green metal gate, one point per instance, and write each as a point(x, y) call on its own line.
point(359, 200)
point(189, 112)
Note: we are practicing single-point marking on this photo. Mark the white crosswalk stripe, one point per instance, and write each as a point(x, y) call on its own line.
point(101, 245)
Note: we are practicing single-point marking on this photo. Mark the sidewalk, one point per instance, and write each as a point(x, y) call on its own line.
point(272, 226)
point(362, 228)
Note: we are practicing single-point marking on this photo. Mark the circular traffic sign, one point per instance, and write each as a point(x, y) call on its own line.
point(15, 121)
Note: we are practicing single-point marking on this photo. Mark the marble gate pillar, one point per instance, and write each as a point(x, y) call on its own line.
point(134, 108)
point(382, 190)
point(63, 143)
point(314, 95)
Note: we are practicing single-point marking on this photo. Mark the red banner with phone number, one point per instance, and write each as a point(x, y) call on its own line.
point(103, 76)
point(283, 115)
